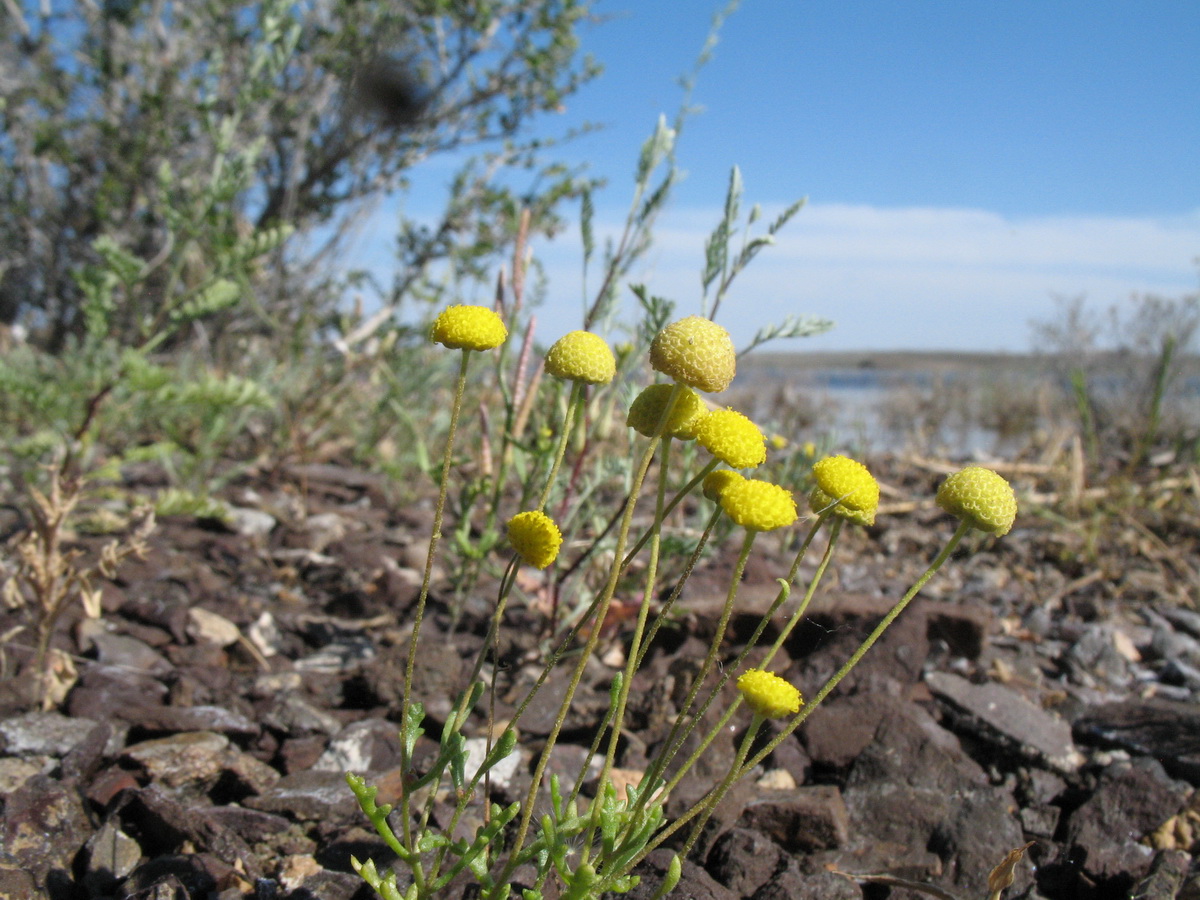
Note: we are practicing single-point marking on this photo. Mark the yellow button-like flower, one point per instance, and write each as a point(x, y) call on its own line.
point(848, 482)
point(732, 438)
point(535, 537)
point(981, 498)
point(715, 482)
point(468, 328)
point(697, 352)
point(769, 695)
point(581, 356)
point(647, 408)
point(758, 505)
point(820, 503)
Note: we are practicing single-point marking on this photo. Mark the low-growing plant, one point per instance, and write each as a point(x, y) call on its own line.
point(592, 843)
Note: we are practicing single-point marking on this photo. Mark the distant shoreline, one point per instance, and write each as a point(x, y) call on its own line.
point(888, 359)
point(929, 360)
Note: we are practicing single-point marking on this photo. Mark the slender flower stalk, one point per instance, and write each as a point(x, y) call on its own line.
point(704, 808)
point(419, 613)
point(574, 405)
point(605, 599)
point(635, 644)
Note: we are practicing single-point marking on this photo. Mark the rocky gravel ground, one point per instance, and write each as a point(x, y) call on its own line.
point(1043, 690)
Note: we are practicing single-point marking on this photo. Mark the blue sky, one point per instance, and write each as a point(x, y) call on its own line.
point(964, 162)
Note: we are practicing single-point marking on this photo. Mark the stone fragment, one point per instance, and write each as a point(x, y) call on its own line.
point(342, 654)
point(107, 693)
point(250, 522)
point(14, 771)
point(1130, 801)
point(187, 875)
point(295, 869)
point(838, 730)
point(502, 773)
point(293, 715)
point(264, 634)
point(979, 829)
point(776, 780)
point(251, 825)
point(1164, 880)
point(369, 745)
point(111, 856)
point(744, 860)
point(43, 826)
point(1007, 719)
point(1167, 730)
point(694, 883)
point(311, 797)
point(792, 884)
point(128, 654)
point(322, 530)
point(801, 820)
point(204, 625)
point(298, 754)
point(191, 758)
point(43, 734)
point(86, 757)
point(108, 783)
point(16, 882)
point(195, 719)
point(900, 790)
point(1094, 659)
point(1040, 820)
point(165, 826)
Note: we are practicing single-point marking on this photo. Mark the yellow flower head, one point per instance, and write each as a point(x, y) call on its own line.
point(732, 438)
point(769, 695)
point(717, 481)
point(758, 505)
point(848, 482)
point(535, 537)
point(468, 328)
point(980, 498)
point(697, 352)
point(820, 502)
point(647, 409)
point(581, 356)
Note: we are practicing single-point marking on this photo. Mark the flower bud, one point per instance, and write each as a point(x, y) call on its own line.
point(981, 498)
point(697, 352)
point(581, 356)
point(535, 537)
point(717, 481)
point(468, 328)
point(732, 438)
point(647, 408)
point(848, 484)
point(769, 695)
point(758, 505)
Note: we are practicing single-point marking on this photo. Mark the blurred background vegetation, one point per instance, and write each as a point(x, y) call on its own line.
point(179, 181)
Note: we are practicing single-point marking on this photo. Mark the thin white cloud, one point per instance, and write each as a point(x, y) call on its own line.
point(918, 278)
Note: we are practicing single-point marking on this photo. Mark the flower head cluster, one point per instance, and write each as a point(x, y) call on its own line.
point(717, 481)
point(769, 695)
point(647, 408)
point(732, 438)
point(758, 505)
point(981, 498)
point(468, 328)
point(581, 356)
point(847, 487)
point(697, 352)
point(535, 537)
